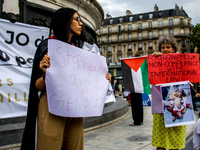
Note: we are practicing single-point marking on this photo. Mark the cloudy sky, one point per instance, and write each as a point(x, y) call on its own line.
point(118, 8)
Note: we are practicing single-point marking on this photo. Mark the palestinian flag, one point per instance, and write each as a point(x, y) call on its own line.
point(135, 75)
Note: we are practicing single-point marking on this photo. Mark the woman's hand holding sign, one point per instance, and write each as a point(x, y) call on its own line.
point(45, 63)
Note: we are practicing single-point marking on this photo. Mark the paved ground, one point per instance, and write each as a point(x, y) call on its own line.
point(120, 136)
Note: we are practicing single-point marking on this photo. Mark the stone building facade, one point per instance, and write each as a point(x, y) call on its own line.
point(125, 36)
point(39, 12)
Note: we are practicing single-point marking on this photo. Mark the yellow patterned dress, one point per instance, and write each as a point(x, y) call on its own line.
point(169, 138)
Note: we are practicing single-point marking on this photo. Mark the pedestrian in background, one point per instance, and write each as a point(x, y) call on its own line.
point(120, 89)
point(116, 86)
point(171, 137)
point(136, 107)
point(53, 132)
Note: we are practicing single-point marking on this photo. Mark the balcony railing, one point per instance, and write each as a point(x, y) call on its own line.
point(150, 27)
point(142, 38)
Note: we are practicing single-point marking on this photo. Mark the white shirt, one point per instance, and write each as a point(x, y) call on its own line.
point(196, 135)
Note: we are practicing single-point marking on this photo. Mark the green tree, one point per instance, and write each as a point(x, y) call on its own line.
point(195, 37)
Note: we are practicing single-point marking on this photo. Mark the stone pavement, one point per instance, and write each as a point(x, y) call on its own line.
point(119, 135)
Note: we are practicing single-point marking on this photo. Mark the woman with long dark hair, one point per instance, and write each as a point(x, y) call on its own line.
point(53, 132)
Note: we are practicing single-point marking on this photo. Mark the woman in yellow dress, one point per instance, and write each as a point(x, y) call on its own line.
point(172, 138)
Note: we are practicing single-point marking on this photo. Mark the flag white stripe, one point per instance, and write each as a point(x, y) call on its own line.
point(137, 81)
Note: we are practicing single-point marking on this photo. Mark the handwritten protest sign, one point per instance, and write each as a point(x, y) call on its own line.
point(173, 68)
point(75, 82)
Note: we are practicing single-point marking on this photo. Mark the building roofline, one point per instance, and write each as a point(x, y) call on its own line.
point(166, 13)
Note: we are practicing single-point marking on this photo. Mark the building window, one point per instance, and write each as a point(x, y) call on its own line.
point(150, 24)
point(150, 16)
point(129, 27)
point(150, 44)
point(99, 40)
point(139, 46)
point(139, 25)
point(139, 36)
point(109, 29)
point(160, 23)
point(171, 22)
point(119, 71)
point(140, 17)
point(100, 31)
point(119, 48)
point(119, 38)
point(129, 46)
point(109, 49)
point(182, 31)
point(182, 42)
point(100, 49)
point(120, 20)
point(170, 12)
point(109, 39)
point(131, 18)
point(160, 33)
point(160, 14)
point(129, 37)
point(171, 31)
point(119, 58)
point(111, 21)
point(189, 22)
point(109, 59)
point(119, 28)
point(150, 35)
point(181, 21)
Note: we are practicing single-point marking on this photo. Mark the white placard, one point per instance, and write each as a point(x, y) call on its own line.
point(75, 82)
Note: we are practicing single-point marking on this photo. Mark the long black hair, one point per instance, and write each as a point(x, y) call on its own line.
point(60, 27)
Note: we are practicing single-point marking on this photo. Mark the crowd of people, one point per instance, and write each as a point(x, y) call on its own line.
point(56, 133)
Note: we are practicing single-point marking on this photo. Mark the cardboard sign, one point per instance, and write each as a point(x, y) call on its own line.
point(173, 68)
point(75, 82)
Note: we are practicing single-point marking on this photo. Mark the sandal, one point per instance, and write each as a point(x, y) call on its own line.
point(132, 124)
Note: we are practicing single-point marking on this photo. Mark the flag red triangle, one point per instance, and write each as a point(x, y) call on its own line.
point(135, 63)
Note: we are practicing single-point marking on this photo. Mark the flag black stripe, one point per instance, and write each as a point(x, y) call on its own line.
point(127, 77)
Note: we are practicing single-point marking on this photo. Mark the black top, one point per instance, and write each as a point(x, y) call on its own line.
point(28, 141)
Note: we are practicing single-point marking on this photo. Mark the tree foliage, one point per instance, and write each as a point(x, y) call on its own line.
point(195, 36)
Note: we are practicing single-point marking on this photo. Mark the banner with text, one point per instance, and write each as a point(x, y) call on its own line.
point(173, 68)
point(18, 43)
point(75, 82)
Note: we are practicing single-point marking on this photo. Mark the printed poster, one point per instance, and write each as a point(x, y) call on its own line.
point(177, 104)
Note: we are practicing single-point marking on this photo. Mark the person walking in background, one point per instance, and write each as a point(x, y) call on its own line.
point(53, 132)
point(171, 137)
point(136, 107)
point(120, 89)
point(116, 86)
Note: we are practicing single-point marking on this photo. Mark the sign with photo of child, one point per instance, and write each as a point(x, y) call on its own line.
point(177, 104)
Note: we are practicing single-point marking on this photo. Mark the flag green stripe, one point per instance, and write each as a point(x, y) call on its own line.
point(145, 77)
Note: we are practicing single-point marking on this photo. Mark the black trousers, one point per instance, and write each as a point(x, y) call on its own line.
point(137, 108)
